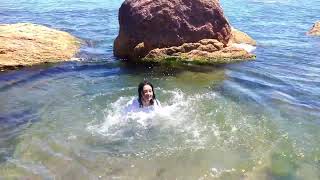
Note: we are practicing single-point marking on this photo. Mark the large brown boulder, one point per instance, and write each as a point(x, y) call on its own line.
point(26, 44)
point(151, 24)
point(315, 30)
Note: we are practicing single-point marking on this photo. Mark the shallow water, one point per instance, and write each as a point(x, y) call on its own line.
point(250, 120)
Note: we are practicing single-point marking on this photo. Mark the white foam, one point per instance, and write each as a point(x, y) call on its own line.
point(177, 116)
point(249, 48)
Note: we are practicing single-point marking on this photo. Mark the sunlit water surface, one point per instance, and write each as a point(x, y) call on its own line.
point(251, 120)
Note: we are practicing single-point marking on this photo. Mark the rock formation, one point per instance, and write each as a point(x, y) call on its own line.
point(185, 30)
point(165, 23)
point(206, 51)
point(315, 30)
point(25, 44)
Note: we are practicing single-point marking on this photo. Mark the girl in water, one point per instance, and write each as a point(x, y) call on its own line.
point(146, 99)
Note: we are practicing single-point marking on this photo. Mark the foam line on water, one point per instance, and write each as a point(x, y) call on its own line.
point(249, 48)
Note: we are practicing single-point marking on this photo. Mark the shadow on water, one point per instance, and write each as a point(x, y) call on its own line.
point(23, 75)
point(11, 126)
point(169, 69)
point(190, 76)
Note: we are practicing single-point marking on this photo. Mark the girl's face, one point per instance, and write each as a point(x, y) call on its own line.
point(147, 93)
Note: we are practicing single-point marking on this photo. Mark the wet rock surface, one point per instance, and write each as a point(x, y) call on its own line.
point(206, 51)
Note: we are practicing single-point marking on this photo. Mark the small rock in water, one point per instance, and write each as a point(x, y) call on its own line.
point(315, 30)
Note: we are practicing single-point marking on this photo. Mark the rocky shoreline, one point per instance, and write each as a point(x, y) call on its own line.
point(189, 31)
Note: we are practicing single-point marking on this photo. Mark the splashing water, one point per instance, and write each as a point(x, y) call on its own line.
point(241, 121)
point(174, 116)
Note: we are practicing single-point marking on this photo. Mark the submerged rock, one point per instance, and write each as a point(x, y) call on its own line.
point(315, 30)
point(26, 44)
point(194, 31)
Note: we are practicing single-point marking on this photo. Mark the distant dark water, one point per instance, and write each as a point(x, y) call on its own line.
point(251, 119)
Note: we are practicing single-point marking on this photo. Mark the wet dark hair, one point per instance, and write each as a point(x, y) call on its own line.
point(140, 90)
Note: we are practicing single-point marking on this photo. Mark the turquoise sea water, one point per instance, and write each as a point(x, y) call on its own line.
point(251, 120)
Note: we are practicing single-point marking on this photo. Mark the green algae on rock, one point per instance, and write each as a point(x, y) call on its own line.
point(206, 51)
